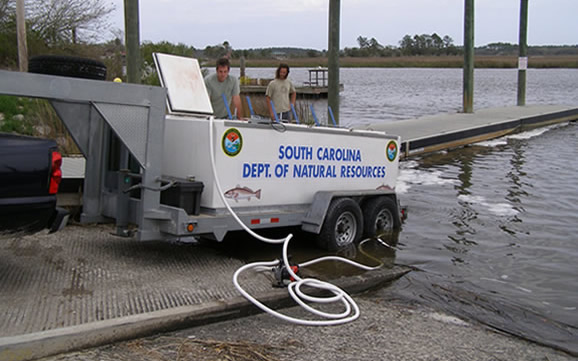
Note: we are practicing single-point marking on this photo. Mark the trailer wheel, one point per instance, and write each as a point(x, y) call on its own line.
point(380, 215)
point(343, 225)
point(70, 66)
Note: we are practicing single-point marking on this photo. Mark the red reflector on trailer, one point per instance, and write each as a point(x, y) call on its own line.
point(264, 220)
point(56, 173)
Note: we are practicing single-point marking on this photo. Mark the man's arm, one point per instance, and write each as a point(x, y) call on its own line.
point(293, 93)
point(271, 113)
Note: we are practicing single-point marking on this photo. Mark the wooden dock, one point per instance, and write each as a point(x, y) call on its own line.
point(302, 91)
point(316, 87)
point(439, 132)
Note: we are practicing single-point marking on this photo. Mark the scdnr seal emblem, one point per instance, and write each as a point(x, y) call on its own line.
point(232, 142)
point(391, 151)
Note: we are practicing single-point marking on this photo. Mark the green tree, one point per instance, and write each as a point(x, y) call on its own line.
point(406, 45)
point(375, 47)
point(438, 42)
point(362, 41)
point(312, 53)
point(147, 48)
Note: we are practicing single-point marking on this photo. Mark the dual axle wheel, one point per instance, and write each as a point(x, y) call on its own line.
point(346, 222)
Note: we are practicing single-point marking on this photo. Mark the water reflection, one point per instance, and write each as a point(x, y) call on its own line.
point(370, 252)
point(494, 233)
point(516, 174)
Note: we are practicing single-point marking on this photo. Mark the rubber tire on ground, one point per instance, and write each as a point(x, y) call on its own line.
point(343, 225)
point(380, 214)
point(69, 66)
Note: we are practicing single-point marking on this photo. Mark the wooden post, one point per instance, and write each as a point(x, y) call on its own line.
point(333, 58)
point(468, 100)
point(523, 53)
point(133, 69)
point(21, 36)
point(131, 28)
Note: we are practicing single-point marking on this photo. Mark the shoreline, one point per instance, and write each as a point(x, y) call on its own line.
point(385, 330)
point(485, 61)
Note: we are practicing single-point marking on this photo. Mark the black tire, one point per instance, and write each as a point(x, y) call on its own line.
point(70, 66)
point(343, 225)
point(380, 215)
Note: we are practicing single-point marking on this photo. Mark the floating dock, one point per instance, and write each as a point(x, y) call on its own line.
point(316, 87)
point(446, 131)
point(302, 91)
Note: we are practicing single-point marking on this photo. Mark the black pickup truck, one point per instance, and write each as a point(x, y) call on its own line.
point(30, 173)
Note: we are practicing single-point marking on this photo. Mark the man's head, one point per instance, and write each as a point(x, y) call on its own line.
point(223, 67)
point(282, 71)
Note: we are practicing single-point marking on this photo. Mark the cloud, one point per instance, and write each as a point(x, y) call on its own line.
point(303, 23)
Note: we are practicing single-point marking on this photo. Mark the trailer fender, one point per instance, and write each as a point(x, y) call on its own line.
point(313, 220)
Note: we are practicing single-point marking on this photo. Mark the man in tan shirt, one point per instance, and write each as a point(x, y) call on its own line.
point(282, 92)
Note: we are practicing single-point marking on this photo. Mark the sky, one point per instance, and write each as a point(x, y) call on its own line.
point(304, 23)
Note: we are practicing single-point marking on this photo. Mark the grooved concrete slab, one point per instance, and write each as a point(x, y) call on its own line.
point(85, 274)
point(85, 287)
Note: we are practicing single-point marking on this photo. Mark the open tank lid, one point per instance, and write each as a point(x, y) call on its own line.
point(186, 91)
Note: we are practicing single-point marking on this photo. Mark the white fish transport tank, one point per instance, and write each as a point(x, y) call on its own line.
point(265, 164)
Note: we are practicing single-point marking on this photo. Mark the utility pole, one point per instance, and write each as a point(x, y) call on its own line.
point(21, 36)
point(523, 53)
point(468, 100)
point(333, 58)
point(131, 28)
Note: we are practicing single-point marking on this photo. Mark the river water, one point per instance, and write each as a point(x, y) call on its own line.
point(493, 228)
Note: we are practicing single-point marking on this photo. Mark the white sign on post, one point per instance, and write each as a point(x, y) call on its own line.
point(523, 63)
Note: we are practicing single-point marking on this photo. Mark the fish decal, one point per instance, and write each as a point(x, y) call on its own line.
point(242, 193)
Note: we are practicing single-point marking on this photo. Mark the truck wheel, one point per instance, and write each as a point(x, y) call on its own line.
point(380, 215)
point(70, 66)
point(343, 225)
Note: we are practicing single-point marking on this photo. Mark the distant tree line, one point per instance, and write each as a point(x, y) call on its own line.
point(423, 44)
point(501, 48)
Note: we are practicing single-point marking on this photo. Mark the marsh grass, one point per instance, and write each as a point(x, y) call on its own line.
point(550, 61)
point(49, 125)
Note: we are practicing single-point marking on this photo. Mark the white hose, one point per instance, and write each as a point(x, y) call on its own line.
point(351, 309)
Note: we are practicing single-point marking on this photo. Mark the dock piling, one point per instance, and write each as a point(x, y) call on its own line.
point(523, 52)
point(468, 98)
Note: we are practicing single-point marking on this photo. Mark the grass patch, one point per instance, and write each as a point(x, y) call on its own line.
point(14, 115)
point(34, 117)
